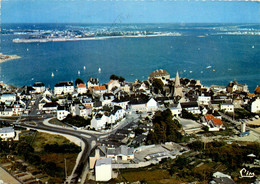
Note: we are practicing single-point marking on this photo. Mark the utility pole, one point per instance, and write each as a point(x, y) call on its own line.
point(65, 168)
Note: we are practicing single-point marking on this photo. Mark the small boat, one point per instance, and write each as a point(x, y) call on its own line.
point(184, 70)
point(78, 72)
point(208, 67)
point(253, 47)
point(213, 70)
point(99, 70)
point(84, 67)
point(52, 74)
point(190, 71)
point(201, 72)
point(27, 49)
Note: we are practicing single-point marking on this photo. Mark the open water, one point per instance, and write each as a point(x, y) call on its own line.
point(232, 51)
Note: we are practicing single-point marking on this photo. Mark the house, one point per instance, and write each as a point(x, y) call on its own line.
point(17, 109)
point(39, 87)
point(50, 107)
point(203, 100)
point(125, 87)
point(6, 97)
point(235, 86)
point(159, 74)
point(99, 90)
point(103, 169)
point(143, 104)
point(176, 110)
point(107, 99)
point(7, 133)
point(87, 102)
point(255, 105)
point(213, 123)
point(6, 111)
point(63, 88)
point(121, 101)
point(98, 121)
point(191, 107)
point(113, 84)
point(62, 112)
point(81, 88)
point(122, 153)
point(92, 82)
point(227, 107)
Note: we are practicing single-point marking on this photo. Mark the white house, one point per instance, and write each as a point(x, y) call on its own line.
point(92, 82)
point(39, 87)
point(204, 100)
point(122, 153)
point(50, 108)
point(63, 88)
point(99, 90)
point(6, 112)
point(191, 107)
point(8, 98)
point(255, 106)
point(81, 88)
point(98, 121)
point(62, 112)
point(7, 133)
point(227, 107)
point(107, 99)
point(144, 105)
point(17, 109)
point(113, 84)
point(103, 169)
point(176, 110)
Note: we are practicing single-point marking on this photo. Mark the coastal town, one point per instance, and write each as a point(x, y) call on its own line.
point(161, 126)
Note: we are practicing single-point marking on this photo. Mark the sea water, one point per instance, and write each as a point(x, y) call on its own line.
point(212, 53)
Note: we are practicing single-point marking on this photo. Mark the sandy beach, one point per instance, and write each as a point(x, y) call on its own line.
point(4, 58)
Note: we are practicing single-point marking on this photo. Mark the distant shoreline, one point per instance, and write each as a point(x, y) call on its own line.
point(4, 58)
point(90, 38)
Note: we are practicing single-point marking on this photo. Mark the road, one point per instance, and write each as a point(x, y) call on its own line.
point(88, 138)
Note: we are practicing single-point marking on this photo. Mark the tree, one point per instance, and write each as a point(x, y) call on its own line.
point(121, 79)
point(79, 81)
point(114, 77)
point(158, 85)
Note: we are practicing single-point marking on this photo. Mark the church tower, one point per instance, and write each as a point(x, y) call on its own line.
point(177, 87)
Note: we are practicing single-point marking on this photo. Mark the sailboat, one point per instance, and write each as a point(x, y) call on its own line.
point(84, 68)
point(99, 70)
point(78, 72)
point(52, 74)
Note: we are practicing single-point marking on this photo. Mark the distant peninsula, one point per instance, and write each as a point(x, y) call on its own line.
point(4, 58)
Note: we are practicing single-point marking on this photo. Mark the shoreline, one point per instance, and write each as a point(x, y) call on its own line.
point(4, 58)
point(17, 40)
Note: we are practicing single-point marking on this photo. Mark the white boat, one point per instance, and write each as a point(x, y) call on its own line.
point(253, 47)
point(52, 74)
point(78, 72)
point(208, 67)
point(99, 70)
point(84, 67)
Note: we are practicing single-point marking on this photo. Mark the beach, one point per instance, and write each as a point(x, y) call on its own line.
point(4, 58)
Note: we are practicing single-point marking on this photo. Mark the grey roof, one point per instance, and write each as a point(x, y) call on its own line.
point(6, 130)
point(104, 161)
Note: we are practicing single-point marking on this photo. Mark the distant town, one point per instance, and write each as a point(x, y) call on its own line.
point(162, 130)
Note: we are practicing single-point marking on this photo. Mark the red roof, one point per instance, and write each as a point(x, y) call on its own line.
point(217, 121)
point(209, 117)
point(81, 85)
point(98, 88)
point(257, 90)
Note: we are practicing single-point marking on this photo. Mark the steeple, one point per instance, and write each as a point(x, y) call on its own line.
point(177, 80)
point(177, 86)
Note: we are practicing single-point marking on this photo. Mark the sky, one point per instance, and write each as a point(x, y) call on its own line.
point(129, 11)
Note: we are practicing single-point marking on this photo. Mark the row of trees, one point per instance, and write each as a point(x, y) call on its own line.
point(63, 148)
point(165, 129)
point(119, 78)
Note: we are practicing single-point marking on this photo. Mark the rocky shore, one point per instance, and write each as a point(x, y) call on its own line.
point(4, 58)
